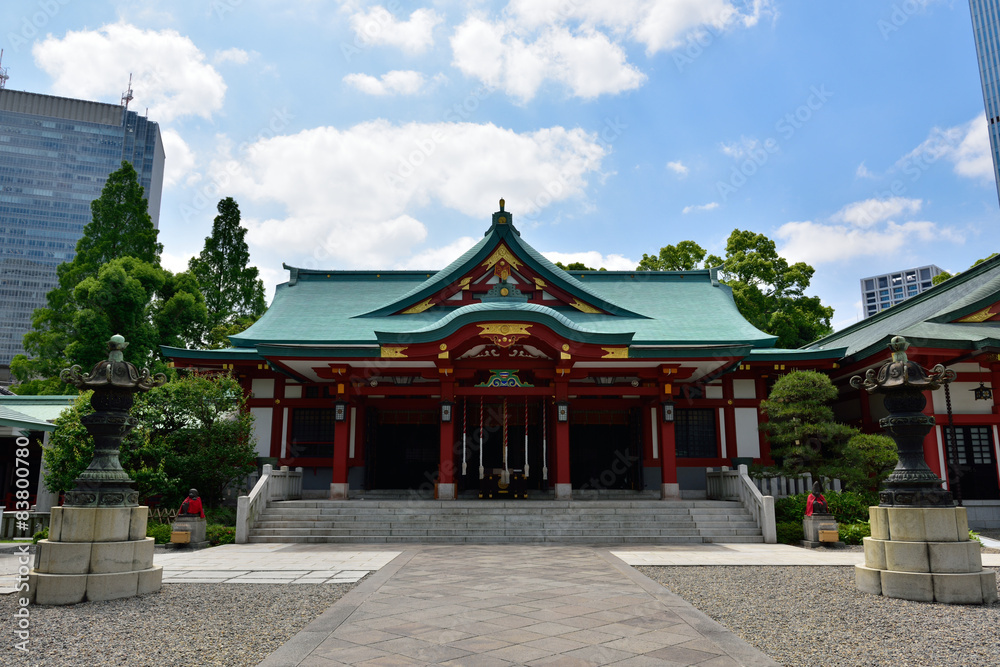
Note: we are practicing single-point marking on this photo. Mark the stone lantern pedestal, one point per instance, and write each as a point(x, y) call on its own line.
point(919, 548)
point(97, 547)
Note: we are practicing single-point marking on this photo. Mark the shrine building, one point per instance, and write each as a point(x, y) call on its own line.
point(503, 371)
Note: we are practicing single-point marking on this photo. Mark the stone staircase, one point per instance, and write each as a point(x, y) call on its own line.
point(505, 521)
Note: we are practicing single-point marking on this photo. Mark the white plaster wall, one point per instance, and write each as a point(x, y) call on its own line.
point(744, 389)
point(293, 391)
point(712, 391)
point(747, 438)
point(262, 429)
point(262, 387)
point(963, 401)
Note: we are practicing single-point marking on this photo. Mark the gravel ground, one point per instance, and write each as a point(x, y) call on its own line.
point(184, 624)
point(812, 616)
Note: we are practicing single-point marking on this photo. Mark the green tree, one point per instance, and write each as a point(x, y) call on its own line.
point(769, 292)
point(944, 275)
point(234, 292)
point(576, 266)
point(868, 459)
point(801, 428)
point(114, 284)
point(685, 256)
point(192, 432)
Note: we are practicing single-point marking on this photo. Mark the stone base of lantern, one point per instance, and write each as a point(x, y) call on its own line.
point(94, 553)
point(924, 554)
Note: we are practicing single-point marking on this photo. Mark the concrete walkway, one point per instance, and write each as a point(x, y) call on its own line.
point(512, 605)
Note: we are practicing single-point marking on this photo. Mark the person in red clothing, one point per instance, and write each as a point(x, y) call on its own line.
point(816, 503)
point(192, 505)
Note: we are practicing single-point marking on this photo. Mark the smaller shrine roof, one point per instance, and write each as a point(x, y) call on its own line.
point(930, 319)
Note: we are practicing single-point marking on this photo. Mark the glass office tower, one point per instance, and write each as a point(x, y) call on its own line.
point(55, 156)
point(986, 29)
point(881, 292)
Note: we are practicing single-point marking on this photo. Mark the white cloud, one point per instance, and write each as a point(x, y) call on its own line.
point(586, 61)
point(233, 55)
point(438, 258)
point(966, 146)
point(657, 24)
point(351, 194)
point(169, 73)
point(872, 211)
point(703, 207)
point(741, 148)
point(175, 263)
point(594, 259)
point(396, 82)
point(817, 243)
point(863, 172)
point(678, 168)
point(379, 27)
point(180, 159)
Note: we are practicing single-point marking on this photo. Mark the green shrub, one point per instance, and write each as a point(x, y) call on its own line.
point(218, 534)
point(853, 533)
point(851, 506)
point(43, 534)
point(790, 532)
point(791, 508)
point(974, 536)
point(159, 531)
point(224, 516)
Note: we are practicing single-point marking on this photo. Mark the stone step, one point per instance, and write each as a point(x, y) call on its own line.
point(464, 539)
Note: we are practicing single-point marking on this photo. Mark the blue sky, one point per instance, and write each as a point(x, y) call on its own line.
point(381, 134)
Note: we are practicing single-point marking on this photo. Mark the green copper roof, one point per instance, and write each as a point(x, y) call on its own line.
point(927, 320)
point(334, 312)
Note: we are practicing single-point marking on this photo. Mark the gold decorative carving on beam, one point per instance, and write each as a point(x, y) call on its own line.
point(981, 316)
point(464, 282)
point(393, 351)
point(539, 283)
point(419, 308)
point(502, 260)
point(504, 334)
point(615, 352)
point(584, 307)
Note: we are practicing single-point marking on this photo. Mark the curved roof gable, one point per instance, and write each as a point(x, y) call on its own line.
point(501, 241)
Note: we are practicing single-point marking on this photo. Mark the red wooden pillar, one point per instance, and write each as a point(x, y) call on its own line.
point(995, 385)
point(563, 485)
point(341, 448)
point(445, 487)
point(669, 488)
point(278, 420)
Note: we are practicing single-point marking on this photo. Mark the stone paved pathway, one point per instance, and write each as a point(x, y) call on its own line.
point(513, 605)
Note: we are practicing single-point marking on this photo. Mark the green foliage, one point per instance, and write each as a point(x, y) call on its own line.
point(801, 429)
point(576, 266)
point(192, 432)
point(790, 532)
point(851, 506)
point(685, 256)
point(217, 534)
point(846, 507)
point(854, 533)
point(868, 459)
point(43, 534)
point(944, 275)
point(224, 516)
point(234, 293)
point(160, 532)
point(974, 536)
point(113, 285)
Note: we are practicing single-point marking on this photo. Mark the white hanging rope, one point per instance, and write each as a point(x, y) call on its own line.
point(481, 469)
point(526, 437)
point(545, 459)
point(465, 430)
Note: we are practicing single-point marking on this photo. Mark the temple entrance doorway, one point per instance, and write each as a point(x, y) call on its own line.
point(403, 449)
point(493, 440)
point(605, 450)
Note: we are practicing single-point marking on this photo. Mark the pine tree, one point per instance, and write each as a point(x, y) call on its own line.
point(234, 293)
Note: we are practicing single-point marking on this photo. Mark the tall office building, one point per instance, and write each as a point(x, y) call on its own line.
point(885, 291)
point(986, 29)
point(55, 156)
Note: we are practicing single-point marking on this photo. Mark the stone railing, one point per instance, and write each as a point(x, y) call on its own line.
point(781, 487)
point(10, 530)
point(281, 484)
point(728, 484)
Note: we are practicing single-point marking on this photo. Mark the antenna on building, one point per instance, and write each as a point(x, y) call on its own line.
point(127, 95)
point(3, 72)
point(126, 98)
